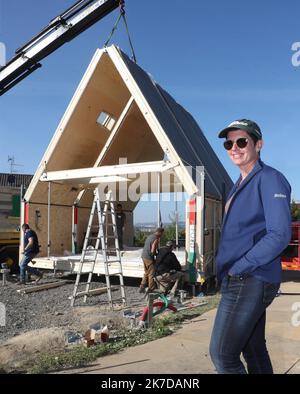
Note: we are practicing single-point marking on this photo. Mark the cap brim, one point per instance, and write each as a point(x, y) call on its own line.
point(223, 133)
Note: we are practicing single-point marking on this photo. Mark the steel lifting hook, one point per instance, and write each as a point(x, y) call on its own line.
point(122, 7)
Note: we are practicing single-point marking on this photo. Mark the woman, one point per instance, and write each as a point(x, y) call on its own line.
point(256, 229)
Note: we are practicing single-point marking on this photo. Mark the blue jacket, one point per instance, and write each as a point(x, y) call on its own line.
point(257, 226)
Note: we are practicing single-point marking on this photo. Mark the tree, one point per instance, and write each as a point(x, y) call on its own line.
point(295, 211)
point(139, 238)
point(170, 229)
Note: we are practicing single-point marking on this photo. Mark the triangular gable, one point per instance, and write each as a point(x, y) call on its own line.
point(109, 82)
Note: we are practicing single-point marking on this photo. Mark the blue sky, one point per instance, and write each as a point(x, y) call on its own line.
point(222, 60)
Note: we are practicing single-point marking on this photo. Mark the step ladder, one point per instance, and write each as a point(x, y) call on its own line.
point(102, 247)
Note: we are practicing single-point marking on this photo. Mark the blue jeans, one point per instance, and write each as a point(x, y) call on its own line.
point(240, 326)
point(24, 266)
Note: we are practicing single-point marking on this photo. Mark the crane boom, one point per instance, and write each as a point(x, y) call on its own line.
point(60, 30)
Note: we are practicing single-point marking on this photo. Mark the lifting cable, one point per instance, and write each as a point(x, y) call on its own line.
point(122, 16)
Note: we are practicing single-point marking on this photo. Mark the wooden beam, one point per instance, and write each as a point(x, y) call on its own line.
point(44, 286)
point(108, 179)
point(118, 169)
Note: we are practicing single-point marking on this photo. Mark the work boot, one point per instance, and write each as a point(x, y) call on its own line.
point(172, 298)
point(21, 283)
point(39, 277)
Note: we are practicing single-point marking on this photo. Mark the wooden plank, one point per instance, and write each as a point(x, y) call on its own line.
point(100, 290)
point(44, 286)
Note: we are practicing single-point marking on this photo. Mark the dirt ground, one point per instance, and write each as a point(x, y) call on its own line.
point(44, 321)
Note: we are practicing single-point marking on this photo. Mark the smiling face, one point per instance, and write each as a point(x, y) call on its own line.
point(243, 157)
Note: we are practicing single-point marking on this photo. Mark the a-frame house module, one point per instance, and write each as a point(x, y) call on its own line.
point(123, 130)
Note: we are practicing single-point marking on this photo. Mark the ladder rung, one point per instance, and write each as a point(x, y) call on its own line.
point(81, 293)
point(92, 291)
point(114, 261)
point(87, 262)
point(83, 283)
point(85, 273)
point(115, 273)
point(87, 257)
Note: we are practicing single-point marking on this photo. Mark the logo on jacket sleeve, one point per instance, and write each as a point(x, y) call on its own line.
point(279, 195)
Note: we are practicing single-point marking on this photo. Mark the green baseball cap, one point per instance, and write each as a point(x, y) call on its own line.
point(242, 124)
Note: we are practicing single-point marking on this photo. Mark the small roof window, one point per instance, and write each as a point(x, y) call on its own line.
point(106, 120)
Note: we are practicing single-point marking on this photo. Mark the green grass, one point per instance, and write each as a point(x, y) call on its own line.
point(80, 356)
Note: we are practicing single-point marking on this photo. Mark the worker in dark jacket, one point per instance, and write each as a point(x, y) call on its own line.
point(168, 272)
point(31, 249)
point(256, 229)
point(120, 222)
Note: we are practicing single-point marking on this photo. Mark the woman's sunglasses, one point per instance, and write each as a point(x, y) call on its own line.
point(240, 142)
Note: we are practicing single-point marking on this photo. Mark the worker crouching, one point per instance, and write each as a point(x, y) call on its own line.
point(168, 274)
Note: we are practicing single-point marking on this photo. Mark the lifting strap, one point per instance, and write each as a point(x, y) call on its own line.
point(122, 16)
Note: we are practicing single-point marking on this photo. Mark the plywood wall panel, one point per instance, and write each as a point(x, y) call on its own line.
point(60, 228)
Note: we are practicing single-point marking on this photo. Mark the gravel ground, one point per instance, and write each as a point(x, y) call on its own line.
point(51, 308)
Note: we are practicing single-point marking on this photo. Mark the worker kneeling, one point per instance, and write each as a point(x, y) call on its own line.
point(168, 273)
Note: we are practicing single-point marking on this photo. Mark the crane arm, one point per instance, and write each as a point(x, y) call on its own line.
point(60, 30)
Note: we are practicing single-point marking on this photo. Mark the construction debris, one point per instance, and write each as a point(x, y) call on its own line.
point(104, 334)
point(74, 338)
point(132, 316)
point(89, 337)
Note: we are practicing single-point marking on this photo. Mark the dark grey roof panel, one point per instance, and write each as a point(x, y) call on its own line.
point(183, 131)
point(14, 180)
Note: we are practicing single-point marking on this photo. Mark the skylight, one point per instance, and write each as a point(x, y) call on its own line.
point(106, 120)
